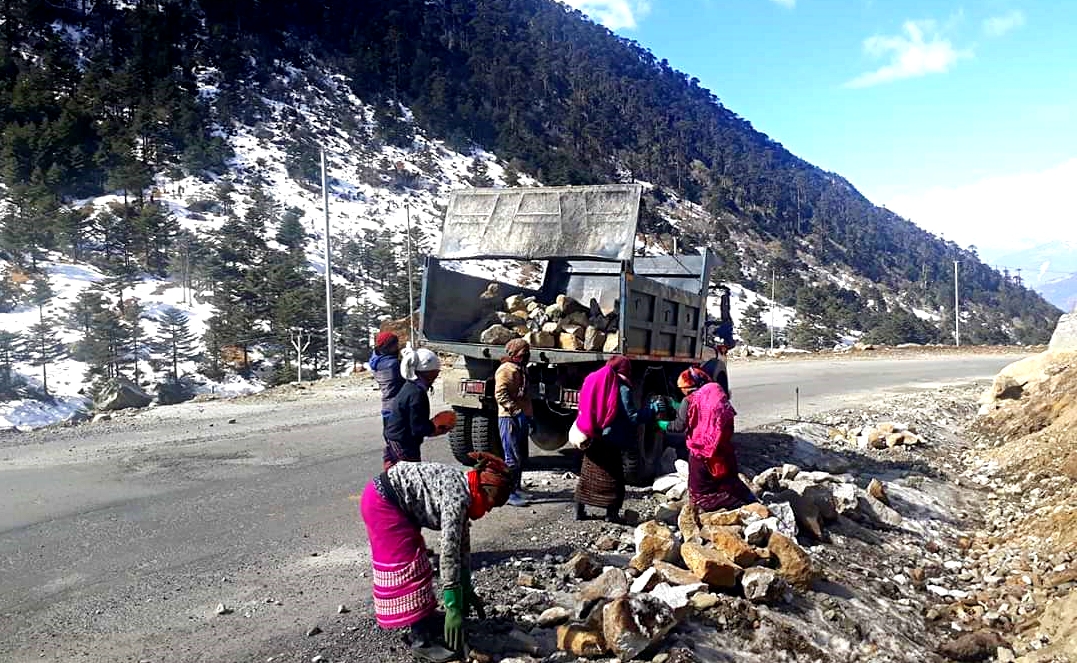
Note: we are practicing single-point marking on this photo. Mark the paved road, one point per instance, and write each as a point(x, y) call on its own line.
point(118, 540)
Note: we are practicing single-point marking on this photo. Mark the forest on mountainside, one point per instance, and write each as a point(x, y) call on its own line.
point(99, 96)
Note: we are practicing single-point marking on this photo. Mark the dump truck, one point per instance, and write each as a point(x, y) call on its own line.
point(557, 265)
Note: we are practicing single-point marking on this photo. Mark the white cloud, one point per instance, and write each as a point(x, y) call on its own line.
point(785, 3)
point(996, 26)
point(614, 14)
point(911, 54)
point(997, 214)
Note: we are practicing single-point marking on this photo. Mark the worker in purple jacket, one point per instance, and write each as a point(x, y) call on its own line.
point(386, 367)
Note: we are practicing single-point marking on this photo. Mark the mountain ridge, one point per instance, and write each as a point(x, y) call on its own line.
point(230, 108)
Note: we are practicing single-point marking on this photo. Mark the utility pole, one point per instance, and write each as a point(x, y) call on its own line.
point(957, 311)
point(411, 291)
point(772, 294)
point(328, 273)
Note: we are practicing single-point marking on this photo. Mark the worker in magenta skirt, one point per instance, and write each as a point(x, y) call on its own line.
point(395, 507)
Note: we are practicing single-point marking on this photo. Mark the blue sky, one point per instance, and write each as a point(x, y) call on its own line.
point(959, 115)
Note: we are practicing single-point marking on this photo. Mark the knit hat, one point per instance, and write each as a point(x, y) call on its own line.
point(692, 378)
point(492, 471)
point(385, 340)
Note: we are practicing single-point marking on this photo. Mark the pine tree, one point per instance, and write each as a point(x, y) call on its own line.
point(134, 341)
point(752, 328)
point(11, 349)
point(43, 347)
point(291, 233)
point(175, 340)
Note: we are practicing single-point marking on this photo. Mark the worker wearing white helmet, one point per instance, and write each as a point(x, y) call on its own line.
point(409, 422)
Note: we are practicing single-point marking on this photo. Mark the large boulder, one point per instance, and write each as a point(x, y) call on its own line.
point(120, 394)
point(710, 566)
point(674, 575)
point(728, 542)
point(610, 585)
point(654, 541)
point(633, 624)
point(581, 640)
point(794, 563)
point(172, 393)
point(1064, 339)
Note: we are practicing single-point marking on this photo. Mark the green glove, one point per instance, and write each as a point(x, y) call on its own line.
point(472, 599)
point(663, 425)
point(455, 607)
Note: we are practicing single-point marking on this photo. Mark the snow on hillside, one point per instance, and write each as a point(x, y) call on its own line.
point(372, 185)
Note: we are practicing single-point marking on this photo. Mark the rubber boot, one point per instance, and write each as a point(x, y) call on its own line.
point(424, 645)
point(581, 511)
point(613, 515)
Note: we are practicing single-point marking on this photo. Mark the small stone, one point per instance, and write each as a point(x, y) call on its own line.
point(583, 566)
point(342, 609)
point(676, 596)
point(477, 656)
point(660, 658)
point(1005, 655)
point(222, 609)
point(231, 421)
point(757, 533)
point(553, 617)
point(317, 659)
point(978, 646)
point(645, 582)
point(528, 580)
point(763, 585)
point(313, 631)
point(704, 601)
point(607, 543)
point(878, 491)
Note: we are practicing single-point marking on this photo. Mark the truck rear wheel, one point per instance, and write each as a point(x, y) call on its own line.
point(484, 434)
point(460, 437)
point(640, 463)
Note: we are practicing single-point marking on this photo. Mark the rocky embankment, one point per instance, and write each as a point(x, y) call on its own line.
point(918, 529)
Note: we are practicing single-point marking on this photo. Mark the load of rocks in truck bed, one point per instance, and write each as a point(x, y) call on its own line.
point(565, 324)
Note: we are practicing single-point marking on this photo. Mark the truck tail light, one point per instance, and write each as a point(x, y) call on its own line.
point(473, 387)
point(570, 396)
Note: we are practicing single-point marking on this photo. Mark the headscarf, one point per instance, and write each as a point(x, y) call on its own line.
point(489, 470)
point(385, 340)
point(516, 350)
point(709, 430)
point(598, 402)
point(622, 367)
point(692, 378)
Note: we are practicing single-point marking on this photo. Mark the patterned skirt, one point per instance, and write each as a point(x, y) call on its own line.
point(403, 577)
point(602, 476)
